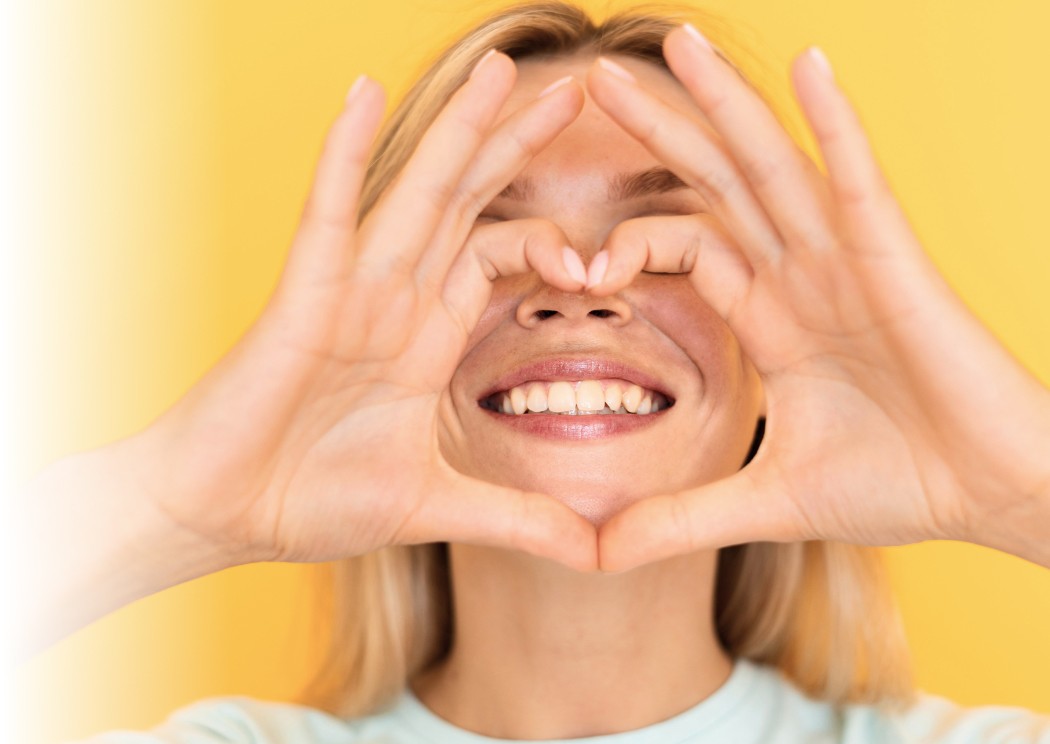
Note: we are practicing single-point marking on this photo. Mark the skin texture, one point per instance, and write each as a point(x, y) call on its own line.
point(658, 324)
point(313, 438)
point(346, 418)
point(579, 642)
point(851, 330)
point(884, 424)
point(332, 453)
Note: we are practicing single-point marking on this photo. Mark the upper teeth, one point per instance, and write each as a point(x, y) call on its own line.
point(580, 397)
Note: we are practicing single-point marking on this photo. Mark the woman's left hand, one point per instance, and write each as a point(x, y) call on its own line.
point(893, 415)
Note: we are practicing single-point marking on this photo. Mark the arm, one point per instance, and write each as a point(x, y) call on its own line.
point(314, 437)
point(93, 541)
point(1021, 527)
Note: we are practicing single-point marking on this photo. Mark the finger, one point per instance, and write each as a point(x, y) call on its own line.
point(504, 249)
point(678, 141)
point(694, 244)
point(874, 217)
point(786, 182)
point(320, 249)
point(401, 224)
point(732, 511)
point(510, 147)
point(471, 511)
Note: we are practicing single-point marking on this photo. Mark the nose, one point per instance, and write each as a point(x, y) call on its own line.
point(546, 304)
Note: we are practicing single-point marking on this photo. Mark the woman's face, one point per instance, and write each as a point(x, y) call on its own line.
point(537, 343)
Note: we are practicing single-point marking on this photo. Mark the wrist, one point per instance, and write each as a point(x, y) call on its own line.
point(96, 541)
point(170, 553)
point(1019, 523)
point(1023, 531)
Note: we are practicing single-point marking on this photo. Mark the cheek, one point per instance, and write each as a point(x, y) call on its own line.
point(699, 448)
point(506, 294)
point(731, 399)
point(671, 304)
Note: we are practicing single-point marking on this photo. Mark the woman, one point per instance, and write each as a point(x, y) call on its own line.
point(583, 229)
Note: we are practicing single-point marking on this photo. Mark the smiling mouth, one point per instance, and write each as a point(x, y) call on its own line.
point(577, 398)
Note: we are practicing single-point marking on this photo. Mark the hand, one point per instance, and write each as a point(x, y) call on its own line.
point(315, 437)
point(893, 415)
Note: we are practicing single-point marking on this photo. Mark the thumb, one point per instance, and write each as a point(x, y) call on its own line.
point(735, 510)
point(504, 249)
point(466, 510)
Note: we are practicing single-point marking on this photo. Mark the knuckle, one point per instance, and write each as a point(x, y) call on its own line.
point(467, 122)
point(438, 194)
point(717, 184)
point(317, 221)
point(816, 240)
point(623, 235)
point(761, 172)
point(429, 285)
point(690, 252)
point(542, 233)
point(652, 132)
point(375, 267)
point(636, 234)
point(861, 196)
point(526, 148)
point(715, 100)
point(488, 267)
point(465, 201)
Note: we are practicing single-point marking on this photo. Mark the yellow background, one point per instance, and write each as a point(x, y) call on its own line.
point(170, 146)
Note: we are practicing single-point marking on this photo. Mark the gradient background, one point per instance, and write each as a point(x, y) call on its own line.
point(162, 152)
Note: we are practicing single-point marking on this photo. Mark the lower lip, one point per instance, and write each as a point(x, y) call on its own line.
point(558, 426)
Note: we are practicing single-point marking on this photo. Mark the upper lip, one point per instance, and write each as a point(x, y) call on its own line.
point(552, 369)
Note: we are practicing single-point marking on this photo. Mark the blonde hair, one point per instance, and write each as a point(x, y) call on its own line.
point(820, 612)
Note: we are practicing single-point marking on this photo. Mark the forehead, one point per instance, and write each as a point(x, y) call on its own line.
point(535, 73)
point(593, 146)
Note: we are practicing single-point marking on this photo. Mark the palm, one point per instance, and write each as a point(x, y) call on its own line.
point(871, 438)
point(883, 392)
point(869, 492)
point(315, 438)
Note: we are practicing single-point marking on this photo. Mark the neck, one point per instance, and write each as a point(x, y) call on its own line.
point(544, 652)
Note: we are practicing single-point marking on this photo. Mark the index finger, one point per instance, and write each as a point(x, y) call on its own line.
point(739, 509)
point(695, 244)
point(427, 182)
point(770, 160)
point(467, 510)
point(329, 217)
point(694, 155)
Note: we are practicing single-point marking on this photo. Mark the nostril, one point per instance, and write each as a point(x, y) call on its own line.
point(538, 308)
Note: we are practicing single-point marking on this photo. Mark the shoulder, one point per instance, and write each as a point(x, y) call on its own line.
point(240, 720)
point(760, 706)
point(930, 720)
point(936, 719)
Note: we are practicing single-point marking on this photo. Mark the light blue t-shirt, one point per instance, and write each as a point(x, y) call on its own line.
point(756, 705)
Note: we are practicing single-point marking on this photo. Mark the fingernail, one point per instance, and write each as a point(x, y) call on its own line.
point(698, 37)
point(355, 89)
point(554, 86)
point(574, 265)
point(615, 69)
point(480, 63)
point(596, 271)
point(821, 61)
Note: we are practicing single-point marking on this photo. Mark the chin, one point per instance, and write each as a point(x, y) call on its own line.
point(594, 495)
point(598, 509)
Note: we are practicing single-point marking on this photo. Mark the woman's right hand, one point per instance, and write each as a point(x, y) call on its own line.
point(315, 438)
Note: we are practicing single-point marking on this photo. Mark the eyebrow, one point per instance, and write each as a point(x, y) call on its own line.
point(622, 186)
